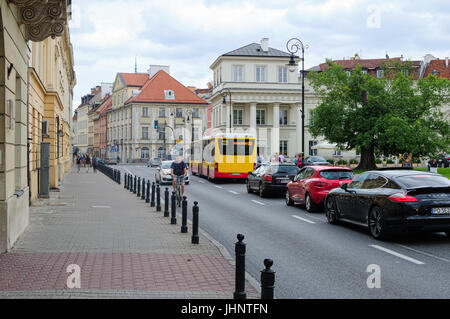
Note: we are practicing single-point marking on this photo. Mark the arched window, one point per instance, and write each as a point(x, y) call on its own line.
point(145, 152)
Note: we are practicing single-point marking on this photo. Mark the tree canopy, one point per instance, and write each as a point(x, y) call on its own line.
point(391, 115)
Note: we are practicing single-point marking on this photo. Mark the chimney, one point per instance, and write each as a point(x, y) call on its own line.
point(265, 44)
point(156, 68)
point(446, 61)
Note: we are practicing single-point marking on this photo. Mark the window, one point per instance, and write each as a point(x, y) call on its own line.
point(358, 181)
point(337, 153)
point(229, 146)
point(374, 181)
point(260, 74)
point(380, 73)
point(145, 112)
point(169, 94)
point(311, 117)
point(145, 133)
point(349, 73)
point(364, 71)
point(237, 117)
point(145, 152)
point(282, 74)
point(284, 147)
point(179, 112)
point(238, 73)
point(162, 112)
point(312, 152)
point(283, 117)
point(260, 117)
point(196, 112)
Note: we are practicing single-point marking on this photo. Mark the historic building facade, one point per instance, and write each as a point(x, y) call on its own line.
point(22, 21)
point(51, 83)
point(161, 98)
point(265, 97)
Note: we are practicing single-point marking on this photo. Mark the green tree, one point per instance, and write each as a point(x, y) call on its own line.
point(390, 115)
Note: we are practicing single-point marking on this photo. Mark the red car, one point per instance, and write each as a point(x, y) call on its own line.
point(312, 184)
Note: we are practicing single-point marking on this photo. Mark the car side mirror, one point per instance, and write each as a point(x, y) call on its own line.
point(250, 173)
point(344, 186)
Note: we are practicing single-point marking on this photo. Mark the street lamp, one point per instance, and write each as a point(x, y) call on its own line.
point(224, 94)
point(293, 46)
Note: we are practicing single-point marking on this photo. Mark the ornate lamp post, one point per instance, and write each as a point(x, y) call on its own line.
point(293, 46)
point(224, 94)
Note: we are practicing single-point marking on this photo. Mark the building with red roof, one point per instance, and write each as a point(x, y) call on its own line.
point(141, 101)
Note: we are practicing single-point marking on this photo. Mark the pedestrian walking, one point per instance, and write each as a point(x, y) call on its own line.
point(300, 160)
point(94, 164)
point(78, 160)
point(88, 162)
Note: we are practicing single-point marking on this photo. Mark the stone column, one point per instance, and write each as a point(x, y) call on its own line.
point(275, 143)
point(252, 121)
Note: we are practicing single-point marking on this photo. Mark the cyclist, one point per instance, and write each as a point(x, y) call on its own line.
point(178, 170)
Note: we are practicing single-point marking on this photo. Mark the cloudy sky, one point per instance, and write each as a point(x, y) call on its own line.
point(189, 35)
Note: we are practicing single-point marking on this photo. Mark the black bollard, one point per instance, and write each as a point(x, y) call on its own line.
point(173, 211)
point(139, 187)
point(267, 280)
point(184, 204)
point(118, 177)
point(152, 203)
point(143, 189)
point(134, 186)
point(195, 238)
point(240, 269)
point(147, 199)
point(158, 198)
point(130, 183)
point(125, 181)
point(166, 202)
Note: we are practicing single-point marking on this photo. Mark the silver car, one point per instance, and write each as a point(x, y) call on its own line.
point(155, 161)
point(163, 174)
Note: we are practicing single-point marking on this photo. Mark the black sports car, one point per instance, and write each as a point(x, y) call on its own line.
point(271, 178)
point(386, 201)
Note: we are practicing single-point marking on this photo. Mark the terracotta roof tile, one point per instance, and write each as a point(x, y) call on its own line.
point(439, 66)
point(134, 79)
point(153, 91)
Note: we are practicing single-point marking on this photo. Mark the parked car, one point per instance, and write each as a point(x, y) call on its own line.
point(315, 160)
point(388, 201)
point(312, 184)
point(271, 178)
point(163, 174)
point(155, 161)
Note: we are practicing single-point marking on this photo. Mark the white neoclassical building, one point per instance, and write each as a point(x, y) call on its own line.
point(265, 98)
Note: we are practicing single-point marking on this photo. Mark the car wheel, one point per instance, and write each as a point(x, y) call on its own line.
point(447, 233)
point(377, 223)
point(249, 189)
point(261, 191)
point(289, 201)
point(331, 212)
point(309, 204)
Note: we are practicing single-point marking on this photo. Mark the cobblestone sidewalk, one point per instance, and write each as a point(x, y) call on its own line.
point(125, 249)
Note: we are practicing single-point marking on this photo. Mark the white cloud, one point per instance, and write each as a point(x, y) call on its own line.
point(189, 35)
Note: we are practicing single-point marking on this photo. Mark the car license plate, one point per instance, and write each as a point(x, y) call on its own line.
point(282, 181)
point(236, 174)
point(440, 211)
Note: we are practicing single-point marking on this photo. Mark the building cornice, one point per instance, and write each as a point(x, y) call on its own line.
point(43, 19)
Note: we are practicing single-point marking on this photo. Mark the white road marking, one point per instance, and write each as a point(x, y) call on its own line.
point(415, 261)
point(101, 206)
point(255, 201)
point(218, 186)
point(303, 219)
point(425, 253)
point(233, 192)
point(200, 181)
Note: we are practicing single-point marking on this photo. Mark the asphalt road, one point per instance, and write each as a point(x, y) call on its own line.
point(312, 258)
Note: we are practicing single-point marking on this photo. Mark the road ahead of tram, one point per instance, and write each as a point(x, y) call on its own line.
point(312, 258)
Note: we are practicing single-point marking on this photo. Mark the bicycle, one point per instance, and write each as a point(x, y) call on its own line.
point(178, 190)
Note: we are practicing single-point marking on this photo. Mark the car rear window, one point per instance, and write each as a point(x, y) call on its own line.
point(424, 180)
point(337, 174)
point(291, 169)
point(317, 159)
